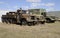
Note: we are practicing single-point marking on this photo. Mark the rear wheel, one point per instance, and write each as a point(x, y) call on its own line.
point(29, 23)
point(42, 22)
point(34, 22)
point(24, 22)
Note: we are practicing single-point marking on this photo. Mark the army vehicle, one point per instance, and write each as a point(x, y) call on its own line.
point(27, 17)
point(23, 17)
point(50, 19)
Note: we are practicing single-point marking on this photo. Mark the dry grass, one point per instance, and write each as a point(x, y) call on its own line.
point(51, 30)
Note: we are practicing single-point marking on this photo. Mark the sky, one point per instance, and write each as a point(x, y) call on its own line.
point(11, 5)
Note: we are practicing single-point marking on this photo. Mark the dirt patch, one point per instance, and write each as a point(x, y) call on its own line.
point(51, 30)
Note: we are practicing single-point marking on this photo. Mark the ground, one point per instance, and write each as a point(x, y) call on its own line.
point(50, 30)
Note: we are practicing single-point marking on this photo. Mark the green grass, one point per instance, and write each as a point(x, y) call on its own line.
point(39, 31)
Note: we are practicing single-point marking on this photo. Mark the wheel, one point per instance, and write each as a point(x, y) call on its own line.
point(23, 22)
point(53, 21)
point(42, 22)
point(29, 23)
point(48, 21)
point(34, 22)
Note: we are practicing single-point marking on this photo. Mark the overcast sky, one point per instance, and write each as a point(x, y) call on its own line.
point(8, 5)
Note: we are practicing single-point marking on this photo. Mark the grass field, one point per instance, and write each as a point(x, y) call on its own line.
point(51, 30)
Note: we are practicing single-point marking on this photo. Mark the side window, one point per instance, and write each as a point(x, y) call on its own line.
point(33, 17)
point(42, 13)
point(37, 18)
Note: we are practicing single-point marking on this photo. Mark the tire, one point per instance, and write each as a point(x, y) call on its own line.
point(48, 21)
point(53, 21)
point(23, 22)
point(34, 22)
point(42, 22)
point(29, 23)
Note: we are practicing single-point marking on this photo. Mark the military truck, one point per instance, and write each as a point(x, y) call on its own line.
point(24, 17)
point(50, 19)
